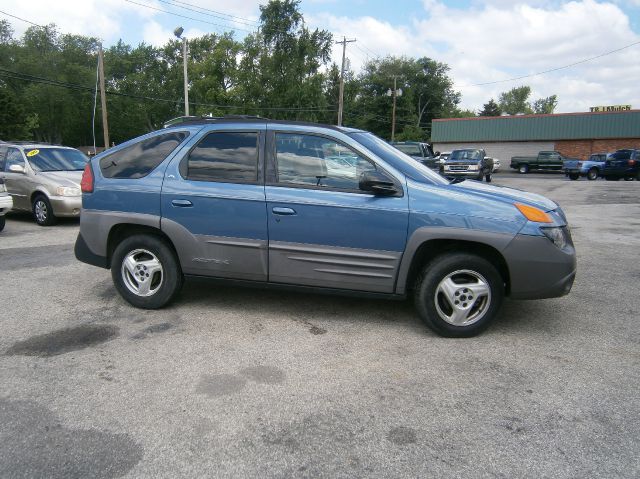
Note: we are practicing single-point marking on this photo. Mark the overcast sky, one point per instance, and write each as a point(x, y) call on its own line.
point(482, 41)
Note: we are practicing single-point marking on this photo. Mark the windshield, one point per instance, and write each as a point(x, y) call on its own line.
point(413, 150)
point(56, 159)
point(465, 155)
point(407, 165)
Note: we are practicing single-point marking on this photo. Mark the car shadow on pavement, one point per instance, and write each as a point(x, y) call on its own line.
point(24, 217)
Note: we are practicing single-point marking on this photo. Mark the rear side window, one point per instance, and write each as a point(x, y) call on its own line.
point(224, 157)
point(139, 159)
point(621, 155)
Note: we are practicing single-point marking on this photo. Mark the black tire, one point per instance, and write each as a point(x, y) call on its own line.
point(592, 174)
point(42, 211)
point(2, 221)
point(169, 282)
point(611, 178)
point(629, 178)
point(487, 178)
point(574, 176)
point(523, 169)
point(426, 293)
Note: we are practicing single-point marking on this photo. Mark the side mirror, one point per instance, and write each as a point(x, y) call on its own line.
point(377, 183)
point(16, 168)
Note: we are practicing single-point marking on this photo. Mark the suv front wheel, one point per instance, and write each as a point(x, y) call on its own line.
point(145, 271)
point(458, 294)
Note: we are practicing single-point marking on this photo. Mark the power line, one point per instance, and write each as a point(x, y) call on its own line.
point(552, 69)
point(21, 19)
point(214, 11)
point(203, 11)
point(187, 17)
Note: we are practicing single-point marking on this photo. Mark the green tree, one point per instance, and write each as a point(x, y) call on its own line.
point(491, 108)
point(516, 101)
point(545, 105)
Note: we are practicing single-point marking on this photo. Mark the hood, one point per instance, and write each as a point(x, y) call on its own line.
point(62, 178)
point(503, 193)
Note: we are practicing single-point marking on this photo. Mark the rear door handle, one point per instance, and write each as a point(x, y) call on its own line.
point(182, 203)
point(283, 211)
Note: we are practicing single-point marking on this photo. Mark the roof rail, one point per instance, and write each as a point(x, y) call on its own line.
point(205, 118)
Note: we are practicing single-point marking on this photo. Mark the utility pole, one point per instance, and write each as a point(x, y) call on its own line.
point(341, 99)
point(103, 97)
point(395, 93)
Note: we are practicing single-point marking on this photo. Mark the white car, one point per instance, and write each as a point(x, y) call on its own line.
point(6, 203)
point(496, 165)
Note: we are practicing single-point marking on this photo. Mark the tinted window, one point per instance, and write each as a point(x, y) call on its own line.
point(141, 158)
point(413, 150)
point(621, 155)
point(225, 157)
point(316, 161)
point(56, 159)
point(3, 155)
point(14, 157)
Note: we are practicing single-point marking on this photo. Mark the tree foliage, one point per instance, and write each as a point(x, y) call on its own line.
point(516, 102)
point(491, 108)
point(282, 71)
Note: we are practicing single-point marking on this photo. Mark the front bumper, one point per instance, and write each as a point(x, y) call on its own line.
point(6, 204)
point(538, 269)
point(66, 206)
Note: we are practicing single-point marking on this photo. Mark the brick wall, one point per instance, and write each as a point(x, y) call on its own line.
point(583, 148)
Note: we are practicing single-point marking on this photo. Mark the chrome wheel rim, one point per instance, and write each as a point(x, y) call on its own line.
point(41, 211)
point(462, 297)
point(142, 272)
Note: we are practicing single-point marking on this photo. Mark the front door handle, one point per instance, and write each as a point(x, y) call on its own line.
point(182, 203)
point(283, 211)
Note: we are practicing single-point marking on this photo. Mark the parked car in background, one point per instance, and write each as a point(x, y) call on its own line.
point(496, 165)
point(43, 179)
point(545, 161)
point(418, 151)
point(622, 164)
point(591, 168)
point(6, 203)
point(253, 200)
point(468, 163)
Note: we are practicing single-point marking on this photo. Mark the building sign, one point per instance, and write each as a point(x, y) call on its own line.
point(610, 108)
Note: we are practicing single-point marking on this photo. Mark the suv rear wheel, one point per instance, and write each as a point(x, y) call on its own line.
point(458, 294)
point(43, 212)
point(145, 271)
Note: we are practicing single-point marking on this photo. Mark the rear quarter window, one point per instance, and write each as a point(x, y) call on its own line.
point(141, 158)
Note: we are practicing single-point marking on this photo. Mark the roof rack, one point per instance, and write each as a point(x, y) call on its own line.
point(207, 118)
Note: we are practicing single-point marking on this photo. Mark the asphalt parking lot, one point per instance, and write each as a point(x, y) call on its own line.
point(230, 382)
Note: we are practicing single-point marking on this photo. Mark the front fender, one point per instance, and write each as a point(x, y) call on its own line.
point(498, 241)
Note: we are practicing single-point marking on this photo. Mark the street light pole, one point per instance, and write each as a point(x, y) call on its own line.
point(178, 33)
point(393, 116)
point(186, 80)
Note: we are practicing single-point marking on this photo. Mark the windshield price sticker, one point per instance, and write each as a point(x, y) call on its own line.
point(33, 152)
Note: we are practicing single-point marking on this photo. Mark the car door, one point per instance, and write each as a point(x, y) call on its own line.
point(323, 230)
point(213, 203)
point(18, 184)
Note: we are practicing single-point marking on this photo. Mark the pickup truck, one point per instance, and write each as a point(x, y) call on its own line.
point(419, 151)
point(592, 168)
point(546, 160)
point(468, 163)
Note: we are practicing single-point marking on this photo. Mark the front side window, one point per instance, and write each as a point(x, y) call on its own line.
point(224, 157)
point(14, 157)
point(56, 159)
point(139, 159)
point(315, 161)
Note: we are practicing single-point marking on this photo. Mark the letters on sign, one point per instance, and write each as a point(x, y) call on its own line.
point(610, 108)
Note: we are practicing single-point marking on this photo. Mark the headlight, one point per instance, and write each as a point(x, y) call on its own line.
point(557, 235)
point(68, 191)
point(473, 167)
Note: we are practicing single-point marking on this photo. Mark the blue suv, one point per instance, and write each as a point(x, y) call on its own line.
point(259, 201)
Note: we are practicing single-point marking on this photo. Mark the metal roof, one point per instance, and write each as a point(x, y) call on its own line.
point(564, 126)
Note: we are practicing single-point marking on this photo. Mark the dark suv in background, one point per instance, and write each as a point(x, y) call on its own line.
point(418, 151)
point(622, 164)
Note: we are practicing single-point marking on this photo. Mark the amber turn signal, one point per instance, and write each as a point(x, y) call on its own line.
point(533, 214)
